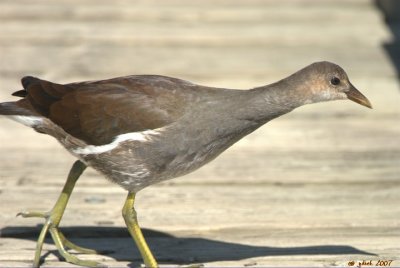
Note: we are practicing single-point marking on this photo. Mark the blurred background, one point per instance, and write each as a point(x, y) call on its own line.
point(318, 187)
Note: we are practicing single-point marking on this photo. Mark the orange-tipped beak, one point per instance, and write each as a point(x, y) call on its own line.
point(356, 96)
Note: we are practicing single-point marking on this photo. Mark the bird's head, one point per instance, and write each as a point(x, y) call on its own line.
point(325, 81)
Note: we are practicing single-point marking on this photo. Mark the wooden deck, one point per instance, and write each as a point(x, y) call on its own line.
point(317, 187)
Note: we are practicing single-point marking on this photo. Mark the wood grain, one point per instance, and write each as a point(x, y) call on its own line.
point(318, 187)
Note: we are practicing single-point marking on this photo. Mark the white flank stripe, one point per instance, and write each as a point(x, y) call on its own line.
point(29, 121)
point(134, 136)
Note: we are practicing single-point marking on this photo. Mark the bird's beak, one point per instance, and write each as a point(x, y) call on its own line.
point(356, 96)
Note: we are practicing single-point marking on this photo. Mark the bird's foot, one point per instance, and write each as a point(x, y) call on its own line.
point(51, 226)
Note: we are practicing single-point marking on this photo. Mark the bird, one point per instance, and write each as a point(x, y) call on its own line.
point(139, 130)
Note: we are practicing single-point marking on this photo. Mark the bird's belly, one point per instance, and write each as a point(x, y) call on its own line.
point(135, 166)
point(137, 162)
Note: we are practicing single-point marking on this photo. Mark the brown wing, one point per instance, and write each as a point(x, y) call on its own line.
point(98, 111)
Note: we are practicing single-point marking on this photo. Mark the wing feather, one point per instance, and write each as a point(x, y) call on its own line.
point(98, 111)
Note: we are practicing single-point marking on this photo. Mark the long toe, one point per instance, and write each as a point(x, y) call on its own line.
point(75, 260)
point(59, 239)
point(79, 249)
point(60, 242)
point(33, 214)
point(68, 256)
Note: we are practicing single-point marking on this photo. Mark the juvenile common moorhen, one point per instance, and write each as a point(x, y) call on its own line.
point(142, 129)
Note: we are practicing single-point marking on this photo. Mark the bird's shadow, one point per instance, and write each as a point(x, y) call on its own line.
point(116, 243)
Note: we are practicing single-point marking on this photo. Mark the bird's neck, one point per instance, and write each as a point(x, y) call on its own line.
point(268, 102)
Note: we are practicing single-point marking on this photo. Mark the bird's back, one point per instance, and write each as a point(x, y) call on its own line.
point(98, 111)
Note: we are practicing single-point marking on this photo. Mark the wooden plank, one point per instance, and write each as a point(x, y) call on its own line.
point(318, 187)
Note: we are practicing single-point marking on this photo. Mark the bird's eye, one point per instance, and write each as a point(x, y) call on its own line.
point(335, 81)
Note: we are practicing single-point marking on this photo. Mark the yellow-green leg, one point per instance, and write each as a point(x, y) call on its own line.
point(129, 214)
point(53, 219)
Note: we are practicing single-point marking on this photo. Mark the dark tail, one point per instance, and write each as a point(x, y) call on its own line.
point(26, 82)
point(17, 112)
point(20, 107)
point(23, 111)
